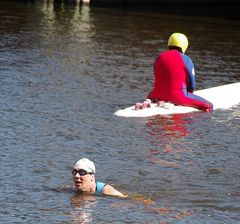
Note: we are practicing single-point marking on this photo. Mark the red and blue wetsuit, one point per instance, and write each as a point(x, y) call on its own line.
point(174, 81)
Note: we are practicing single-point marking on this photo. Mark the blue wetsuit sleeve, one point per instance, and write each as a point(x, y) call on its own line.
point(99, 187)
point(191, 83)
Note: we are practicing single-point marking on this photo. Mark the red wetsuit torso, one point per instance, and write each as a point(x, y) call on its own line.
point(172, 72)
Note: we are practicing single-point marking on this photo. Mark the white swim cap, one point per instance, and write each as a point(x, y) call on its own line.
point(85, 164)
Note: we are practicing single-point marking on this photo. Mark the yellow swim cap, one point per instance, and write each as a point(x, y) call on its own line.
point(178, 40)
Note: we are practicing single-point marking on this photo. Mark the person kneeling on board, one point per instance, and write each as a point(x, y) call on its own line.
point(85, 182)
point(174, 77)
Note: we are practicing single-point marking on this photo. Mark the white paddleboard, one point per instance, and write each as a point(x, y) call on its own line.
point(222, 97)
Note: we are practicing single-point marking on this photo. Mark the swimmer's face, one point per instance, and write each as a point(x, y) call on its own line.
point(83, 181)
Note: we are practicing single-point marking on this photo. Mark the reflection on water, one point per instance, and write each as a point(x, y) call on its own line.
point(83, 205)
point(64, 70)
point(169, 128)
point(165, 135)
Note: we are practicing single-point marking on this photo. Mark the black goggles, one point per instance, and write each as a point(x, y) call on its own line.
point(81, 172)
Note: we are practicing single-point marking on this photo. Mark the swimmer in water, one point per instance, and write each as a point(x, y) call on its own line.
point(85, 182)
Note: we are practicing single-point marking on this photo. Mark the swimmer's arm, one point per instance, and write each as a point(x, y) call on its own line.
point(109, 190)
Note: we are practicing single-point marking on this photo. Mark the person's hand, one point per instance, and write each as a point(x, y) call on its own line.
point(138, 106)
point(146, 104)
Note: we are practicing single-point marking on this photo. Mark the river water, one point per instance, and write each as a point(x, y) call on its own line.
point(65, 70)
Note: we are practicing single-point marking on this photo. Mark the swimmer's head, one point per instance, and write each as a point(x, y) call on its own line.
point(85, 164)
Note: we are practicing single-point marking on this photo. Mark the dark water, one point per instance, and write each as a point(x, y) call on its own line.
point(65, 70)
